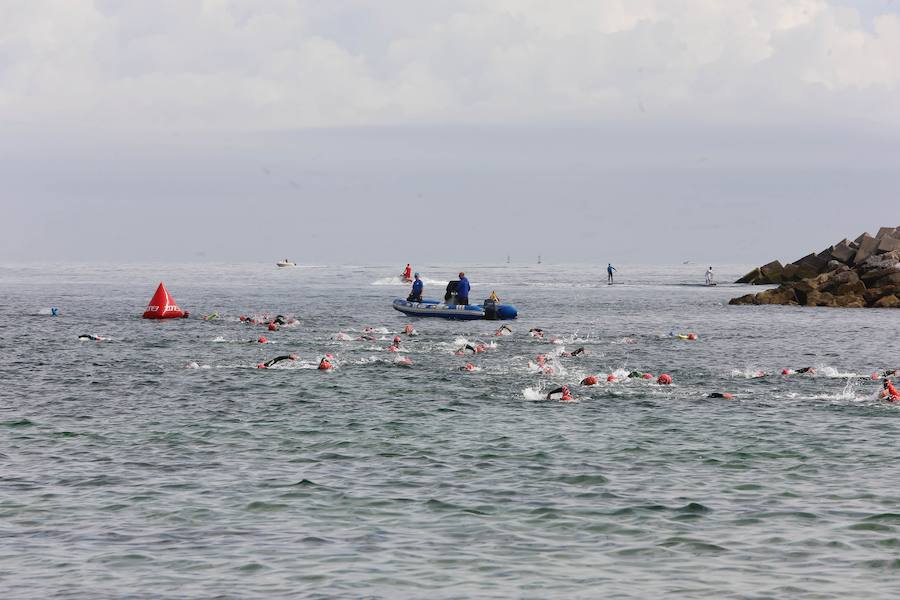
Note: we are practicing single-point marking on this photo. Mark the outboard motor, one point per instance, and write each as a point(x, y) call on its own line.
point(490, 310)
point(450, 296)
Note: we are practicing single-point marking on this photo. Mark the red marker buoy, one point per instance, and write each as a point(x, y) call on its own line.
point(162, 305)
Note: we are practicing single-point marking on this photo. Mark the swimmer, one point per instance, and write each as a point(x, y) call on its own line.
point(277, 360)
point(724, 395)
point(589, 380)
point(503, 330)
point(561, 393)
point(325, 364)
point(394, 347)
point(470, 348)
point(87, 336)
point(279, 320)
point(468, 367)
point(366, 338)
point(635, 375)
point(536, 332)
point(889, 392)
point(802, 371)
point(410, 330)
point(211, 316)
point(573, 353)
point(891, 373)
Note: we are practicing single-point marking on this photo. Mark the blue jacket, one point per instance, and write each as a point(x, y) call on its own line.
point(417, 287)
point(462, 290)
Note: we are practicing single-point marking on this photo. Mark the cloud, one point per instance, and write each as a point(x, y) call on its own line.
point(219, 65)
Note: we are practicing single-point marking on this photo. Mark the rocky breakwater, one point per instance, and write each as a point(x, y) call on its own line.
point(861, 273)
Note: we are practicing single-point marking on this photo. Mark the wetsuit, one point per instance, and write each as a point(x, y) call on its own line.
point(558, 390)
point(806, 370)
point(635, 375)
point(574, 353)
point(609, 272)
point(716, 395)
point(279, 320)
point(504, 328)
point(279, 359)
point(87, 336)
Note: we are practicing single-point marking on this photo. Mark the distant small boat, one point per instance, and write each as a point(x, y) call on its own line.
point(285, 263)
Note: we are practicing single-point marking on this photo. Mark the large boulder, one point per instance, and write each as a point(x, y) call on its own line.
point(751, 277)
point(883, 231)
point(888, 280)
point(888, 244)
point(867, 247)
point(890, 301)
point(772, 272)
point(842, 252)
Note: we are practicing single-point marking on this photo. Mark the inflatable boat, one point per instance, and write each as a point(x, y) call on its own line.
point(285, 263)
point(434, 308)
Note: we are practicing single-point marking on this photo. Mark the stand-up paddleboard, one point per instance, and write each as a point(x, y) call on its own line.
point(433, 308)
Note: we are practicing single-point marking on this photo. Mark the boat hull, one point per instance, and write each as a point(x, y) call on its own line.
point(433, 308)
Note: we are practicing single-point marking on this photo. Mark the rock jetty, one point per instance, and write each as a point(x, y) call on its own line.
point(861, 273)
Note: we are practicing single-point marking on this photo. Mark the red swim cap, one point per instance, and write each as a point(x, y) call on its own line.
point(727, 396)
point(692, 336)
point(324, 365)
point(273, 327)
point(664, 379)
point(242, 318)
point(785, 371)
point(589, 380)
point(262, 340)
point(329, 356)
point(610, 378)
point(396, 339)
point(260, 366)
point(647, 376)
point(470, 367)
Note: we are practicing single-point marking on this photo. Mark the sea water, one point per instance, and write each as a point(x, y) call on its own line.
point(160, 462)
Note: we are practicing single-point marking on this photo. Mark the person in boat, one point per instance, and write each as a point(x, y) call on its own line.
point(91, 337)
point(609, 272)
point(417, 287)
point(573, 353)
point(277, 360)
point(462, 289)
point(407, 272)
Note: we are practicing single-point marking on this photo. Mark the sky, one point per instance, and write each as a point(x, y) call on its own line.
point(360, 132)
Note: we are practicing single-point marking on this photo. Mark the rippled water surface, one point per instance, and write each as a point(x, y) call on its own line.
point(162, 463)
